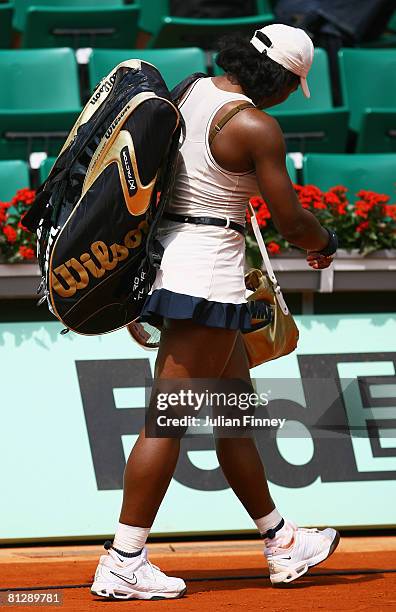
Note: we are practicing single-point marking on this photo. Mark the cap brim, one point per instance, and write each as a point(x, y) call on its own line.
point(304, 87)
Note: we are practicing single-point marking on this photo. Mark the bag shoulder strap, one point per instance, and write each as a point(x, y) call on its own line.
point(262, 247)
point(216, 128)
point(267, 262)
point(177, 92)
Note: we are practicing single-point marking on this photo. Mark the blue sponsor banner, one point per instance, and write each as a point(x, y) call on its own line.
point(72, 407)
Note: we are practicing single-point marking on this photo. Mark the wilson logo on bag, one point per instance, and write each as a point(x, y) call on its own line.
point(76, 274)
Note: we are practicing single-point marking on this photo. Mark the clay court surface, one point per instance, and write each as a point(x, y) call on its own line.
point(361, 575)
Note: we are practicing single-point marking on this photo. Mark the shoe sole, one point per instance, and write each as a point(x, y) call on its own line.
point(333, 546)
point(133, 596)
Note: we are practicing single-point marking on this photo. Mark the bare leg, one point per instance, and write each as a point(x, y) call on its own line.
point(187, 350)
point(238, 457)
point(147, 476)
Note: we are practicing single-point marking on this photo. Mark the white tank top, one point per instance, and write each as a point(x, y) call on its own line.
point(202, 187)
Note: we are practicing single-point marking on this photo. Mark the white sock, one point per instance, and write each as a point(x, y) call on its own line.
point(269, 521)
point(130, 539)
point(283, 537)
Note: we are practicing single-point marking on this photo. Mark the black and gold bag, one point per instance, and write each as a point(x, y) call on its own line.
point(96, 214)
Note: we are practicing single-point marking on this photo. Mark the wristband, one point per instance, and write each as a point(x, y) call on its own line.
point(332, 245)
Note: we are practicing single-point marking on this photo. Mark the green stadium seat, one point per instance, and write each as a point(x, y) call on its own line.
point(45, 168)
point(314, 131)
point(183, 32)
point(291, 169)
point(114, 27)
point(174, 64)
point(377, 131)
point(22, 7)
point(6, 11)
point(40, 103)
point(319, 85)
point(314, 124)
point(14, 175)
point(152, 13)
point(369, 90)
point(356, 172)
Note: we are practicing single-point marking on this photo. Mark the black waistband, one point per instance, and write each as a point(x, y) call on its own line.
point(206, 221)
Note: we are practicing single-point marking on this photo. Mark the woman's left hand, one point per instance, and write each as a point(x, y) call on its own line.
point(317, 261)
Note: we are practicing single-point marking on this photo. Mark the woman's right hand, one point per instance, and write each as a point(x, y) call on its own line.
point(317, 261)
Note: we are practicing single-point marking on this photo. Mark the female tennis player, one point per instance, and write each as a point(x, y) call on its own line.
point(199, 298)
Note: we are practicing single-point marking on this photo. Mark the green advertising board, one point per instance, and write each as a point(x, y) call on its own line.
point(72, 406)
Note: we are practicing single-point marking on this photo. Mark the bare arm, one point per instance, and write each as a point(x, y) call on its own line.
point(268, 152)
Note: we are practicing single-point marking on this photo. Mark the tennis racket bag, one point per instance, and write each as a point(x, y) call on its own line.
point(97, 212)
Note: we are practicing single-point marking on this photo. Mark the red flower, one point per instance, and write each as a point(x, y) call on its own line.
point(312, 191)
point(263, 214)
point(368, 201)
point(390, 211)
point(310, 196)
point(334, 199)
point(340, 190)
point(373, 197)
point(260, 221)
point(264, 211)
point(24, 195)
point(9, 233)
point(362, 226)
point(273, 247)
point(331, 198)
point(261, 211)
point(362, 209)
point(26, 252)
point(3, 210)
point(256, 201)
point(366, 220)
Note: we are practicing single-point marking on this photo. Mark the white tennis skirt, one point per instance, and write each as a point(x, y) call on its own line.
point(201, 277)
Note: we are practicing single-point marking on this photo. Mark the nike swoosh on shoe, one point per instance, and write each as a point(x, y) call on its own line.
point(124, 578)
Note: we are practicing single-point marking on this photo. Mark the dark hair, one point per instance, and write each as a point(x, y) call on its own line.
point(257, 74)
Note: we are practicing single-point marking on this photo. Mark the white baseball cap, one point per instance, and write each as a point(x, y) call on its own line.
point(290, 47)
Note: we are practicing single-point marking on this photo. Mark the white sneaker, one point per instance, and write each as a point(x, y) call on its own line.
point(308, 548)
point(134, 578)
